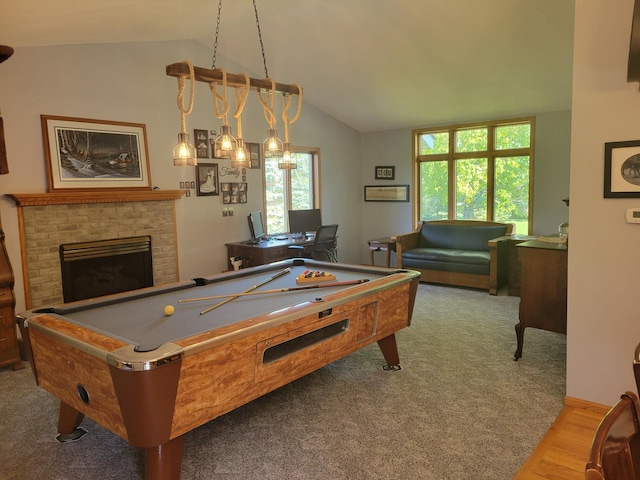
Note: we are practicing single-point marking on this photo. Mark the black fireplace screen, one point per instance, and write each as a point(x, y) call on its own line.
point(93, 269)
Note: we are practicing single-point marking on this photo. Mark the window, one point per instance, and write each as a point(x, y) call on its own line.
point(479, 172)
point(291, 189)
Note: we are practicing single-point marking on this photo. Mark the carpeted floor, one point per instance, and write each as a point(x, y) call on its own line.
point(461, 408)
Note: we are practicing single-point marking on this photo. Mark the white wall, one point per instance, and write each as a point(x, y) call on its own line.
point(604, 265)
point(127, 82)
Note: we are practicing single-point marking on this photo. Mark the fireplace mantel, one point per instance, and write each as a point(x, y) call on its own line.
point(99, 196)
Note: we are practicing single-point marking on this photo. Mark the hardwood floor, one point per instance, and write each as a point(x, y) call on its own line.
point(563, 451)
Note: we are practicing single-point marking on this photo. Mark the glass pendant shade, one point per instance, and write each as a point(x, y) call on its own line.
point(225, 145)
point(241, 157)
point(184, 153)
point(287, 162)
point(272, 145)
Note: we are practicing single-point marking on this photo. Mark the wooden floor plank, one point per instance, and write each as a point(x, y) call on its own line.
point(563, 451)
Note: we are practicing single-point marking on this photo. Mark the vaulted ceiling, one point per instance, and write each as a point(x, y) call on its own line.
point(373, 64)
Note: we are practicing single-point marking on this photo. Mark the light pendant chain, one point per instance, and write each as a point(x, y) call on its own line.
point(264, 58)
point(215, 42)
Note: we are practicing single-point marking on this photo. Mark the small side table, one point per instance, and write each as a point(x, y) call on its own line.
point(384, 244)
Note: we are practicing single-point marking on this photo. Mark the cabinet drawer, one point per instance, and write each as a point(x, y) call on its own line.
point(6, 317)
point(6, 297)
point(8, 342)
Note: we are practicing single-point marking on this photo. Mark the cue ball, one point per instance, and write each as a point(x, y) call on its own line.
point(168, 310)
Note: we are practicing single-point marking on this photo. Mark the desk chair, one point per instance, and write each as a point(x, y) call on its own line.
point(324, 245)
point(615, 451)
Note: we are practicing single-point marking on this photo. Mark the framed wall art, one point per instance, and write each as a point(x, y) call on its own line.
point(383, 193)
point(83, 154)
point(385, 173)
point(622, 169)
point(207, 180)
point(201, 138)
point(234, 192)
point(253, 149)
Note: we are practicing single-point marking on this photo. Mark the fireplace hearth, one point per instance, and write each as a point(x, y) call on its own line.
point(96, 268)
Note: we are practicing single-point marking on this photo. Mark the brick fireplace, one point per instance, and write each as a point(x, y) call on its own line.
point(47, 221)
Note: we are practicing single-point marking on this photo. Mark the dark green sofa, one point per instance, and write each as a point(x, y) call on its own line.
point(466, 253)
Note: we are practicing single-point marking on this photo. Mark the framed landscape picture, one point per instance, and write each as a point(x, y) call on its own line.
point(84, 154)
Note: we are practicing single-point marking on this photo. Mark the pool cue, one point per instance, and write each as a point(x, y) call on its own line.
point(277, 290)
point(257, 285)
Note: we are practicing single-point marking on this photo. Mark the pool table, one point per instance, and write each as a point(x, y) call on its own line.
point(150, 377)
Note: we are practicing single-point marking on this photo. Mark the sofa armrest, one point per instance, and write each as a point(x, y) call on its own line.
point(498, 263)
point(405, 242)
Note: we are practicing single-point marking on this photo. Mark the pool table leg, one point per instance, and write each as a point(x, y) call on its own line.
point(389, 350)
point(163, 462)
point(69, 420)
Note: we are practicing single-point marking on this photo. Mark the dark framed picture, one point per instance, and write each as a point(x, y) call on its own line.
point(207, 180)
point(201, 142)
point(385, 173)
point(622, 169)
point(391, 193)
point(234, 192)
point(255, 158)
point(85, 154)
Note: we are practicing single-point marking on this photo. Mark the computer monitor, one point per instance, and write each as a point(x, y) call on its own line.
point(303, 221)
point(256, 227)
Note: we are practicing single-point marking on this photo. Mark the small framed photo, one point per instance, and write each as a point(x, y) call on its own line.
point(622, 169)
point(84, 154)
point(254, 155)
point(386, 173)
point(207, 180)
point(201, 139)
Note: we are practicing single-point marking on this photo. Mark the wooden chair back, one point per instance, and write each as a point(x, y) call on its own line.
point(615, 450)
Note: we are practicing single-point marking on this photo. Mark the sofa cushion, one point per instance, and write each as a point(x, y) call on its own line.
point(459, 237)
point(445, 255)
point(434, 265)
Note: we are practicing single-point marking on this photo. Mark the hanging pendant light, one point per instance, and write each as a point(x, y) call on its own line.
point(288, 161)
point(184, 153)
point(225, 145)
point(272, 147)
point(241, 157)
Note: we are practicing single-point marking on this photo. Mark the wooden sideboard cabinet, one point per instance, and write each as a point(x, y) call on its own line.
point(9, 351)
point(543, 288)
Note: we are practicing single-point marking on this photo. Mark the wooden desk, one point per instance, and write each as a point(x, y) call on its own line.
point(384, 244)
point(267, 251)
point(543, 290)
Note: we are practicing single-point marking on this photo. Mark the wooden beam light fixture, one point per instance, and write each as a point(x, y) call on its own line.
point(226, 146)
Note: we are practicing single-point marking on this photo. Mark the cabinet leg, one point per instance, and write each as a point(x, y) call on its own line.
point(520, 340)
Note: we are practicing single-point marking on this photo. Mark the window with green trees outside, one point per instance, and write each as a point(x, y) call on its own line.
point(477, 172)
point(295, 189)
